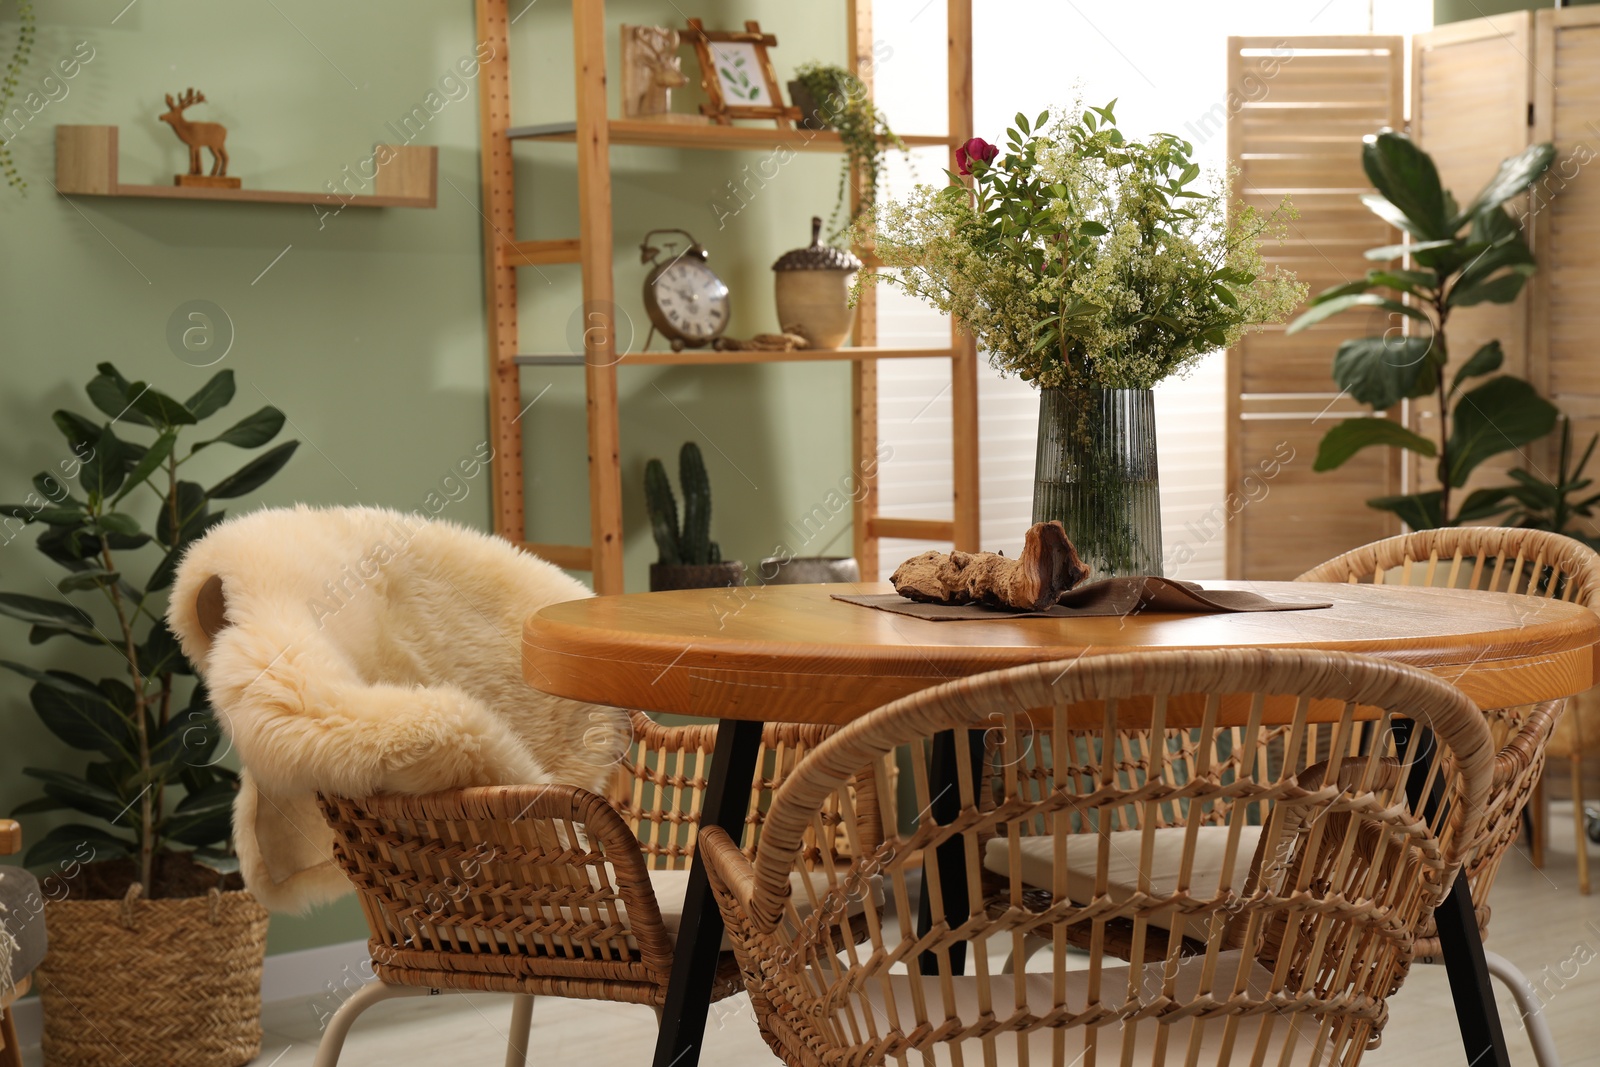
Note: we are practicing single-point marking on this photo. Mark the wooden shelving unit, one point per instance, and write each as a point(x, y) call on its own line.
point(86, 165)
point(593, 132)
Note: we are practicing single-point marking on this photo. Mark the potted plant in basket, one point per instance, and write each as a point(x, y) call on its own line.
point(1092, 266)
point(149, 937)
point(689, 558)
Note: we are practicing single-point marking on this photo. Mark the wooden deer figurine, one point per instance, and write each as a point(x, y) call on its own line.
point(650, 71)
point(199, 135)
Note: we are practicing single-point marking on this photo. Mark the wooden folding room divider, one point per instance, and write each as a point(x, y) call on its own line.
point(593, 133)
point(1481, 90)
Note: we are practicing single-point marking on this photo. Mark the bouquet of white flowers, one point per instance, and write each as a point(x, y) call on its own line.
point(1081, 257)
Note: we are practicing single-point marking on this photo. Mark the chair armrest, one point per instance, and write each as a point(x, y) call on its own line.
point(732, 875)
point(10, 837)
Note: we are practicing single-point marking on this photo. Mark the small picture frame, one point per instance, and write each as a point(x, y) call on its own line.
point(737, 76)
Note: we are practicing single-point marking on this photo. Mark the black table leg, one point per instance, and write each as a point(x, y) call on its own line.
point(1460, 942)
point(694, 965)
point(944, 781)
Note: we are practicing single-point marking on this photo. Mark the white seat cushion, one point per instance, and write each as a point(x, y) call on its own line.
point(672, 886)
point(1037, 995)
point(1038, 861)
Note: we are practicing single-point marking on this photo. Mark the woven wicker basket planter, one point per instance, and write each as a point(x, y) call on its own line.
point(153, 983)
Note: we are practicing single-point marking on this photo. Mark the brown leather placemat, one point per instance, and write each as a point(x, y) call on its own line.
point(1111, 597)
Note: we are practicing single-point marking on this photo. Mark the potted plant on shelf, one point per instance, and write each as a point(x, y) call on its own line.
point(1092, 266)
point(1459, 257)
point(831, 98)
point(689, 558)
point(149, 937)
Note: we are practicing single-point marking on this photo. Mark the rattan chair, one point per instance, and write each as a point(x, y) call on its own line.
point(1507, 560)
point(1292, 965)
point(553, 890)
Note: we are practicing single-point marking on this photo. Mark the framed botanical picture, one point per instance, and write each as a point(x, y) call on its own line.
point(737, 76)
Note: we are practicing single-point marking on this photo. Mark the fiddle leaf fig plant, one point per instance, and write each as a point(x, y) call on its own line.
point(151, 785)
point(1460, 257)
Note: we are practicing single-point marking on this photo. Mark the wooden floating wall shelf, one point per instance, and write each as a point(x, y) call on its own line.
point(86, 165)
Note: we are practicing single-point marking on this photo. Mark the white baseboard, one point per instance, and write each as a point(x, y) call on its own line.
point(286, 976)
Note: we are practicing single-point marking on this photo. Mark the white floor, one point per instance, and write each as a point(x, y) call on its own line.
point(1540, 923)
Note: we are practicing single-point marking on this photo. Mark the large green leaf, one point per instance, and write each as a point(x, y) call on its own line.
point(1420, 511)
point(1499, 415)
point(205, 817)
point(103, 472)
point(1391, 214)
point(1498, 290)
point(38, 611)
point(77, 712)
point(153, 458)
point(79, 431)
point(252, 431)
point(113, 394)
point(1382, 371)
point(1485, 360)
point(79, 795)
point(1407, 178)
point(1483, 504)
point(212, 397)
point(256, 473)
point(1327, 308)
point(162, 409)
point(1388, 252)
point(1352, 435)
point(93, 578)
point(76, 843)
point(1516, 173)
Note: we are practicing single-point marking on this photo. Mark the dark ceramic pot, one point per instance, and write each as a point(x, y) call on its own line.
point(692, 576)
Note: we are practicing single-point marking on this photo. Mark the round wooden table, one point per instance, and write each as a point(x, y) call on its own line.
point(792, 653)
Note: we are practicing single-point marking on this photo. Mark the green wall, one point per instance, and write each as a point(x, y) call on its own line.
point(368, 331)
point(1461, 10)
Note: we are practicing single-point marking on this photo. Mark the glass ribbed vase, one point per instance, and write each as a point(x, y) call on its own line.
point(1096, 473)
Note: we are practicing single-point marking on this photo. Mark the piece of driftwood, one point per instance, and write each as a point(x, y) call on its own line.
point(1048, 567)
point(763, 342)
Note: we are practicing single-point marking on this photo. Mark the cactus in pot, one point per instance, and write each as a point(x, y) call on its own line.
point(689, 558)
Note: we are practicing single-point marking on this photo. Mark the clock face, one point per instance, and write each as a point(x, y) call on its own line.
point(692, 301)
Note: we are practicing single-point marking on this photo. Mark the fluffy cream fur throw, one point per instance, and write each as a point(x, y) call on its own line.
point(365, 651)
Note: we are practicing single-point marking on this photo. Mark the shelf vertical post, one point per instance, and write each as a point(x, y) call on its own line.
point(863, 372)
point(599, 308)
point(964, 358)
point(500, 278)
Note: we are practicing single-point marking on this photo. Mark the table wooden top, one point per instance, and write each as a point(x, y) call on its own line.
point(792, 653)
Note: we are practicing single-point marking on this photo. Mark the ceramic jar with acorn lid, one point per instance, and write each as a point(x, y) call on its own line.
point(813, 289)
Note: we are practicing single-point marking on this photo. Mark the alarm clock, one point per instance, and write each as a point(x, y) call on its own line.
point(684, 298)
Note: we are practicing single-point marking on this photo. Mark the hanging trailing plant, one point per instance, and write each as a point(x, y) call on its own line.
point(844, 105)
point(27, 25)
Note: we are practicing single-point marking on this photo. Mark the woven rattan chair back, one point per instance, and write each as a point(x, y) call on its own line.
point(1497, 559)
point(1296, 959)
point(1493, 558)
point(661, 789)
